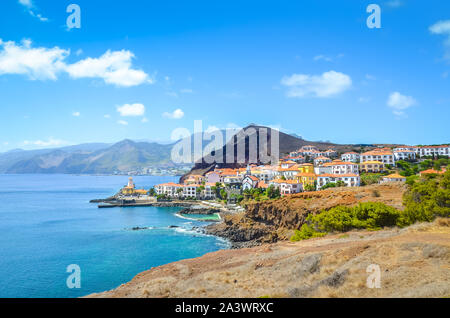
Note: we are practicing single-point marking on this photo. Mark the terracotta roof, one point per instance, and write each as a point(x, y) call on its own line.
point(372, 163)
point(377, 153)
point(395, 176)
point(430, 171)
point(169, 184)
point(329, 175)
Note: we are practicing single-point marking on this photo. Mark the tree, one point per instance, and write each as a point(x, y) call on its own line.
point(152, 192)
point(223, 194)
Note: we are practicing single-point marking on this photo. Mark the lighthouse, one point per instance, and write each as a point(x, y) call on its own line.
point(130, 183)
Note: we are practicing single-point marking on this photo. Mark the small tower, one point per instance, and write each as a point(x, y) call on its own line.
point(130, 183)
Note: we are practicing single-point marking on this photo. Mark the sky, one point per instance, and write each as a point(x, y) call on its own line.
point(140, 69)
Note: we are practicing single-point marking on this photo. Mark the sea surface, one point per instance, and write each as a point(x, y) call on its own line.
point(48, 224)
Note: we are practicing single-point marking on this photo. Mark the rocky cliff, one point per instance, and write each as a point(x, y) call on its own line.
point(270, 221)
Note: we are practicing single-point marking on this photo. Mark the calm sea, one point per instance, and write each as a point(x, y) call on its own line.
point(47, 224)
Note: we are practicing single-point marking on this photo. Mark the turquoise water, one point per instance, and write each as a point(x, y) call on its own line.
point(47, 224)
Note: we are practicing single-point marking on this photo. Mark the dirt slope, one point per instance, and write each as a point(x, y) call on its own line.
point(414, 262)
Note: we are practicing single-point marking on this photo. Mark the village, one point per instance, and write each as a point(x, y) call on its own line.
point(307, 169)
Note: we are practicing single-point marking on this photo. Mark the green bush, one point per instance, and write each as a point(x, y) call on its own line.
point(306, 232)
point(369, 215)
point(425, 200)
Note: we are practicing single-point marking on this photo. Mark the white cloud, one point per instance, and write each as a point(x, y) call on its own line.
point(107, 116)
point(46, 63)
point(36, 63)
point(131, 110)
point(122, 122)
point(370, 77)
point(144, 120)
point(327, 58)
point(76, 114)
point(176, 114)
point(326, 85)
point(113, 67)
point(30, 7)
point(186, 91)
point(399, 103)
point(322, 57)
point(394, 3)
point(26, 3)
point(51, 142)
point(443, 28)
point(364, 99)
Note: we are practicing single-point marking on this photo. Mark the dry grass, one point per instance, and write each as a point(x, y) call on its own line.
point(414, 262)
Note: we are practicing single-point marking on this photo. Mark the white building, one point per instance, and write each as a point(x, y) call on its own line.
point(434, 151)
point(350, 157)
point(341, 167)
point(404, 155)
point(321, 160)
point(350, 180)
point(385, 156)
point(287, 186)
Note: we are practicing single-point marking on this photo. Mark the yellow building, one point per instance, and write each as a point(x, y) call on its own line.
point(130, 189)
point(372, 166)
point(306, 175)
point(306, 168)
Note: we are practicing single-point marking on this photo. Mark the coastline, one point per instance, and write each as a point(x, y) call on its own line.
point(331, 266)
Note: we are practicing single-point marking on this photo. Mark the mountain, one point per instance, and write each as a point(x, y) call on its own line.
point(121, 157)
point(287, 144)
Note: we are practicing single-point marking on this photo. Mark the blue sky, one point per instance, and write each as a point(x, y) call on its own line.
point(140, 69)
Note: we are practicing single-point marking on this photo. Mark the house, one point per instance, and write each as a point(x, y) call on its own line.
point(287, 186)
point(289, 173)
point(331, 153)
point(194, 179)
point(443, 150)
point(350, 180)
point(350, 157)
point(287, 164)
point(321, 160)
point(306, 168)
point(404, 155)
point(431, 171)
point(384, 155)
point(341, 167)
point(393, 178)
point(323, 169)
point(212, 177)
point(372, 166)
point(297, 159)
point(249, 182)
point(170, 189)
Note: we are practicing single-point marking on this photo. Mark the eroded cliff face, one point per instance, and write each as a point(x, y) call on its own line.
point(271, 221)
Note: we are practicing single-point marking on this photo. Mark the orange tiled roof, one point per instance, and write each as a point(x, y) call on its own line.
point(329, 175)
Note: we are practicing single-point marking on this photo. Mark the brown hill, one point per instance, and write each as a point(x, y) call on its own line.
point(412, 262)
point(287, 144)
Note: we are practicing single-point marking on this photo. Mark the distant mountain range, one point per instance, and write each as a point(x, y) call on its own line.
point(96, 158)
point(131, 156)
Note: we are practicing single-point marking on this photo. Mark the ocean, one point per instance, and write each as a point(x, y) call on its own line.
point(47, 224)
